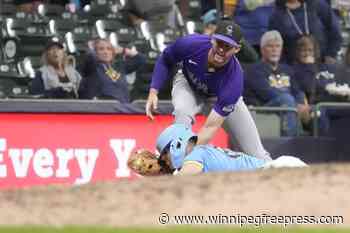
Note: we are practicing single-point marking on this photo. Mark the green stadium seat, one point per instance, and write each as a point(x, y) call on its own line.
point(51, 11)
point(62, 26)
point(6, 11)
point(123, 33)
point(268, 124)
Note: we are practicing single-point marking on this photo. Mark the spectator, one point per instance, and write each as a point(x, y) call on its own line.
point(312, 75)
point(105, 73)
point(209, 21)
point(247, 53)
point(253, 17)
point(271, 83)
point(295, 18)
point(317, 79)
point(57, 78)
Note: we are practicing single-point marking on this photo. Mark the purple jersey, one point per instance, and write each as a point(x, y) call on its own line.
point(192, 53)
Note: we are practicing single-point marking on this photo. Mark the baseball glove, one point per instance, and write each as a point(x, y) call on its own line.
point(146, 163)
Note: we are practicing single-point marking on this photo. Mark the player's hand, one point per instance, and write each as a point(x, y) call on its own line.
point(152, 103)
point(304, 112)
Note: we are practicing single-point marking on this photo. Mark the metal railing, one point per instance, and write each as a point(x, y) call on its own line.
point(279, 111)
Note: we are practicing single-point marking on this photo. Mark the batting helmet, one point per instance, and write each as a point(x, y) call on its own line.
point(176, 138)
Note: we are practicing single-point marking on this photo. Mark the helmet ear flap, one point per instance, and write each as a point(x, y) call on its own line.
point(177, 153)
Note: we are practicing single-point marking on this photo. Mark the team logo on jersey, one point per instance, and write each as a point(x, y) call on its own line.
point(228, 108)
point(229, 29)
point(279, 80)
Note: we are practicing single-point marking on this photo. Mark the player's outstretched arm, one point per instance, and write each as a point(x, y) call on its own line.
point(152, 103)
point(210, 127)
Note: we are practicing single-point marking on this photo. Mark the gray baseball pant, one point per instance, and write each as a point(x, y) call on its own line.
point(239, 124)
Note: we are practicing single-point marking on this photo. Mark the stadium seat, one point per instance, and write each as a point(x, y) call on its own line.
point(124, 34)
point(141, 85)
point(51, 11)
point(26, 37)
point(80, 42)
point(60, 27)
point(170, 34)
point(9, 48)
point(102, 9)
point(35, 61)
point(268, 124)
point(8, 70)
point(28, 65)
point(11, 82)
point(25, 26)
point(6, 11)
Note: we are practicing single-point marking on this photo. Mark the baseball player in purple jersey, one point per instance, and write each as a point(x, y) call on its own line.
point(209, 70)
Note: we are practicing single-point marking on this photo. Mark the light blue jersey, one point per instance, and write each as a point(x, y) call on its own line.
point(214, 159)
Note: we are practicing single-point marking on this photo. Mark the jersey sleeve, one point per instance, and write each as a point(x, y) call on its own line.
point(196, 157)
point(230, 91)
point(173, 54)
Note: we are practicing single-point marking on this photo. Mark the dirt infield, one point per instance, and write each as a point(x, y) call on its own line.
point(318, 190)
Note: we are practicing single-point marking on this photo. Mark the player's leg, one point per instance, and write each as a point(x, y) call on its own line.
point(184, 100)
point(241, 126)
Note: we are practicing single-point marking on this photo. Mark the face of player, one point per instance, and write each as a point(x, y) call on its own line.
point(306, 54)
point(221, 53)
point(104, 51)
point(271, 52)
point(55, 55)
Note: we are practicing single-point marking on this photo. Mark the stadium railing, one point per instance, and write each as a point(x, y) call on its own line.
point(269, 123)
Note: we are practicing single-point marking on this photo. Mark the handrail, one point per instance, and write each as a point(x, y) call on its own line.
point(277, 110)
point(272, 109)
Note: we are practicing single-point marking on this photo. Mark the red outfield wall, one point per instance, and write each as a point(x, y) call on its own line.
point(38, 149)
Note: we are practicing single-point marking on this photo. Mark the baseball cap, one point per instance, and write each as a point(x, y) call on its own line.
point(210, 17)
point(228, 32)
point(53, 43)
